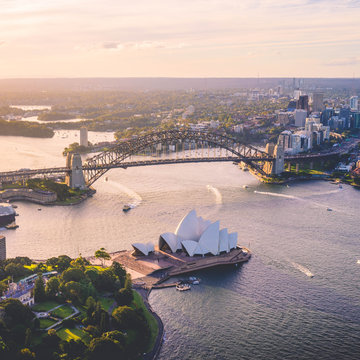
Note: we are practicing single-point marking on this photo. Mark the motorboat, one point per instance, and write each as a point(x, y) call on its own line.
point(329, 209)
point(183, 287)
point(194, 280)
point(126, 208)
point(11, 226)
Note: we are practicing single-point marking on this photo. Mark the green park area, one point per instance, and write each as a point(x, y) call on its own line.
point(62, 312)
point(94, 309)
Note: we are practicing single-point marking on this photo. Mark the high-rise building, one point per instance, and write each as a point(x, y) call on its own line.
point(2, 248)
point(83, 136)
point(303, 103)
point(354, 103)
point(297, 94)
point(318, 102)
point(300, 117)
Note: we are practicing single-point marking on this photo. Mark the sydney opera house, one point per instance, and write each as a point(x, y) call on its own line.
point(194, 236)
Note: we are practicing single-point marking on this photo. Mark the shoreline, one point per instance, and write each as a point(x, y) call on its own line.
point(29, 198)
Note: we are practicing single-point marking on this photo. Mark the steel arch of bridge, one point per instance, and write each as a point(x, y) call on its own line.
point(98, 165)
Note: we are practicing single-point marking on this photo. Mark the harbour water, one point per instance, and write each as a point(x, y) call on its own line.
point(268, 308)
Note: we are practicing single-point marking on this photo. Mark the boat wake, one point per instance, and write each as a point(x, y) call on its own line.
point(216, 192)
point(303, 269)
point(276, 194)
point(136, 199)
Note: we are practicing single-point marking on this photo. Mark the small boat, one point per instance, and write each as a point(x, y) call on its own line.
point(106, 179)
point(11, 226)
point(340, 186)
point(39, 209)
point(126, 208)
point(193, 280)
point(245, 186)
point(14, 206)
point(183, 287)
point(329, 209)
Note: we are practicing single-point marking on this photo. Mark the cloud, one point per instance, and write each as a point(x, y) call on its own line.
point(142, 45)
point(355, 60)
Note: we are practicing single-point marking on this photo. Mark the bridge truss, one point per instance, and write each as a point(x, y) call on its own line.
point(119, 155)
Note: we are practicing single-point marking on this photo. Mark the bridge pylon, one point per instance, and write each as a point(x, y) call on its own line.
point(75, 178)
point(275, 167)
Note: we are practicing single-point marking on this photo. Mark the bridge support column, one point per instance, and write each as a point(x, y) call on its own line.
point(277, 166)
point(297, 167)
point(75, 177)
point(289, 167)
point(311, 165)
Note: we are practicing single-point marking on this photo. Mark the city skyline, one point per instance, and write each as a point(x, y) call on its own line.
point(179, 39)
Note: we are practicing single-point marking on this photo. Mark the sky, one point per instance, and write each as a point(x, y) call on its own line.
point(179, 38)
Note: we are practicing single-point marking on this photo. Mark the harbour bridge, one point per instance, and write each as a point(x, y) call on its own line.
point(163, 147)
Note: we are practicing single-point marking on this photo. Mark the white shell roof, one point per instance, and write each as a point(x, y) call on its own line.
point(188, 227)
point(190, 246)
point(209, 240)
point(171, 240)
point(144, 248)
point(233, 237)
point(224, 241)
point(199, 237)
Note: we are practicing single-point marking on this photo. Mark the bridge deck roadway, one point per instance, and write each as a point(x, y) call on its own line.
point(63, 170)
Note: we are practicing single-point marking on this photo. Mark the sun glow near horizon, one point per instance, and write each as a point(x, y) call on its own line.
point(175, 38)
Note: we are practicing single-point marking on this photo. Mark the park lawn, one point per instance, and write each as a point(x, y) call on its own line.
point(96, 267)
point(153, 324)
point(106, 302)
point(45, 306)
point(63, 311)
point(75, 334)
point(45, 323)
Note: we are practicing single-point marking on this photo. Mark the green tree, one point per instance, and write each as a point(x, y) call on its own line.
point(26, 354)
point(73, 274)
point(73, 348)
point(119, 271)
point(103, 255)
point(104, 322)
point(107, 280)
point(28, 335)
point(105, 348)
point(15, 313)
point(90, 306)
point(126, 318)
point(39, 289)
point(124, 297)
point(52, 288)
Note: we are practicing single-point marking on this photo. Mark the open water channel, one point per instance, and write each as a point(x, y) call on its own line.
point(269, 308)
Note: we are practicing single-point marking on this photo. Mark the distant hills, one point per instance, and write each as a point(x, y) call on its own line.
point(143, 84)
